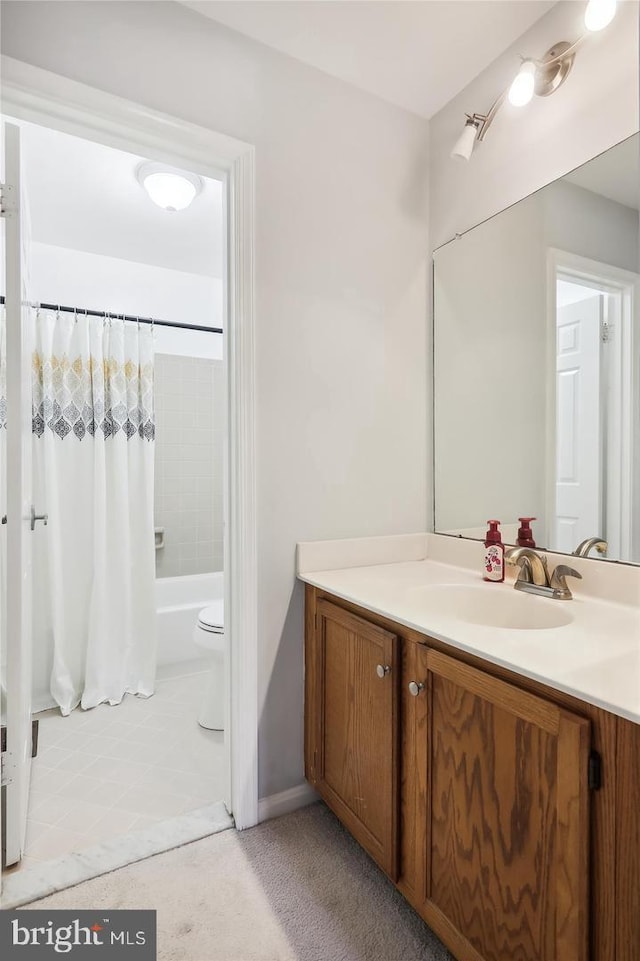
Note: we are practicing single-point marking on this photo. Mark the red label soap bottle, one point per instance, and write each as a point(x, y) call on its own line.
point(525, 534)
point(493, 554)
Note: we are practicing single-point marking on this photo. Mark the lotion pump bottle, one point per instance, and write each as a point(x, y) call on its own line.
point(493, 554)
point(525, 534)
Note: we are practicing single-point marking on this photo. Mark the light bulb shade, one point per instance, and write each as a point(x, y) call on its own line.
point(169, 191)
point(168, 188)
point(522, 88)
point(599, 14)
point(464, 144)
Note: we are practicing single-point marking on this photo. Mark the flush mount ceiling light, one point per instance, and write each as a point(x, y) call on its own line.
point(540, 77)
point(168, 187)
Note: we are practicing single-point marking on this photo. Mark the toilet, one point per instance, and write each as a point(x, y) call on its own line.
point(209, 635)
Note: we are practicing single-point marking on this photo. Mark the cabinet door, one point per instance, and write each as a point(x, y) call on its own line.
point(355, 727)
point(506, 831)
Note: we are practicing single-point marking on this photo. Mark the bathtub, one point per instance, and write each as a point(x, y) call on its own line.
point(179, 600)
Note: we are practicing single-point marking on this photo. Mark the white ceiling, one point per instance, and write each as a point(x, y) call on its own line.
point(85, 196)
point(417, 54)
point(614, 174)
point(568, 293)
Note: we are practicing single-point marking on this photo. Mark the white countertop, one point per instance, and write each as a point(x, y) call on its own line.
point(596, 657)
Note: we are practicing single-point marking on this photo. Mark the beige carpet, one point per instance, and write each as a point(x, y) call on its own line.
point(297, 888)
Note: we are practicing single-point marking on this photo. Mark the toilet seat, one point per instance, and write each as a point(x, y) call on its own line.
point(211, 618)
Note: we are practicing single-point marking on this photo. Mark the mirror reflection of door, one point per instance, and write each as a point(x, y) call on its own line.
point(579, 437)
point(592, 437)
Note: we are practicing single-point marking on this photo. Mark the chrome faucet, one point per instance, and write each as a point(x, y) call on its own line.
point(533, 576)
point(583, 548)
point(533, 566)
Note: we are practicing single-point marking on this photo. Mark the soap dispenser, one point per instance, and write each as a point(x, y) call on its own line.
point(525, 534)
point(493, 554)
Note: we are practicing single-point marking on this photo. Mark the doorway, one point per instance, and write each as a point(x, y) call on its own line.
point(116, 123)
point(129, 427)
point(593, 326)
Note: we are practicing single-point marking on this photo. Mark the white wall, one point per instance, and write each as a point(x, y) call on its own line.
point(342, 261)
point(490, 305)
point(528, 147)
point(591, 225)
point(79, 279)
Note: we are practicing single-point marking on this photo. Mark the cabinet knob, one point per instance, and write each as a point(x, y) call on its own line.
point(415, 687)
point(383, 669)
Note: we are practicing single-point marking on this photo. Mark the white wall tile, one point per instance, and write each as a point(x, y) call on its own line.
point(189, 439)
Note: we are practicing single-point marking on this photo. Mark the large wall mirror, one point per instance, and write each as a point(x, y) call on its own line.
point(537, 365)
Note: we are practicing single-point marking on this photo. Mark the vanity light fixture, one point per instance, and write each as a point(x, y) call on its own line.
point(464, 145)
point(599, 14)
point(540, 77)
point(522, 88)
point(168, 187)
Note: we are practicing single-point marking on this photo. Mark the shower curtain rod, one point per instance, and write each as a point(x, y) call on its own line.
point(115, 316)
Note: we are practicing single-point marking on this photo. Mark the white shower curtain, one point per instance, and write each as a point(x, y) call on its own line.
point(93, 431)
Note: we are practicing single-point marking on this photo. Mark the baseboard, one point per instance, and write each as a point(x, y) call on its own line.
point(286, 801)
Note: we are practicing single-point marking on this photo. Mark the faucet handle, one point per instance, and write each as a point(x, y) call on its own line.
point(559, 583)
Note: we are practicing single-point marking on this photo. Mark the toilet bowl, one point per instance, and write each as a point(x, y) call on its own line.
point(209, 635)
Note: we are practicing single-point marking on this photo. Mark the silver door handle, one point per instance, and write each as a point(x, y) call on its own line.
point(382, 670)
point(415, 687)
point(38, 517)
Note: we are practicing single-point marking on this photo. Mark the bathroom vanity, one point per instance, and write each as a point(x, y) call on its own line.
point(484, 746)
point(492, 772)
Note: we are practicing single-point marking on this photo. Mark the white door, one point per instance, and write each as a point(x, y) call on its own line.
point(578, 512)
point(18, 485)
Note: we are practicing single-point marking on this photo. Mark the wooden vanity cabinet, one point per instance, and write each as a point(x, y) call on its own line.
point(352, 670)
point(504, 837)
point(475, 790)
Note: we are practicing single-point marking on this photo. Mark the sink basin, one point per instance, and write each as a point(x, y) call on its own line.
point(491, 606)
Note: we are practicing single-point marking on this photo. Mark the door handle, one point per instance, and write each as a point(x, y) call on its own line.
point(382, 670)
point(38, 517)
point(415, 687)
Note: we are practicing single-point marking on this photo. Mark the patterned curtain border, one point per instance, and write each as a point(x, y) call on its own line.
point(90, 397)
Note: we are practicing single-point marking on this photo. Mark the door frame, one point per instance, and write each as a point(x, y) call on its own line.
point(619, 504)
point(36, 95)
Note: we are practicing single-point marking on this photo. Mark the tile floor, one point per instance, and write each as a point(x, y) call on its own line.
point(112, 770)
